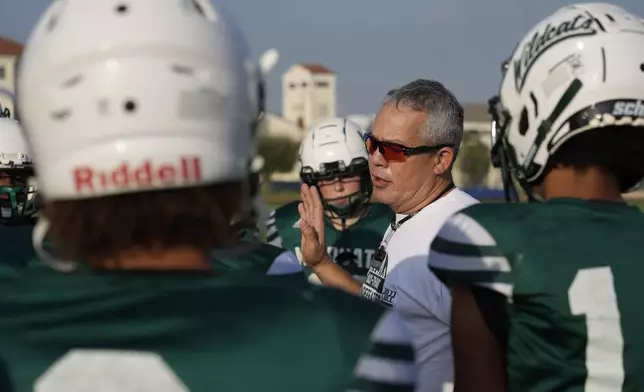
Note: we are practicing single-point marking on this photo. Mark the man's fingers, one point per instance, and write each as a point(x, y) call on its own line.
point(306, 200)
point(317, 209)
point(304, 221)
point(301, 209)
point(308, 232)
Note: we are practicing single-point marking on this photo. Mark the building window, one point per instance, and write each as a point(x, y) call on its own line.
point(2, 72)
point(291, 86)
point(303, 84)
point(300, 123)
point(322, 84)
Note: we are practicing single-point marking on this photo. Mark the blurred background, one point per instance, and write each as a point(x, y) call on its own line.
point(339, 58)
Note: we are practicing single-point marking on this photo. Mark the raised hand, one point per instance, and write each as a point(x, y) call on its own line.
point(312, 226)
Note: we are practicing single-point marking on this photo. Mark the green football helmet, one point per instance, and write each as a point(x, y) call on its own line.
point(19, 203)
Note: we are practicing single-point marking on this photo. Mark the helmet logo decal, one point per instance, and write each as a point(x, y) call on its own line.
point(187, 170)
point(629, 107)
point(580, 25)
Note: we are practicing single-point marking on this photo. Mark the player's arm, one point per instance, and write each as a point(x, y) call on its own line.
point(388, 364)
point(479, 362)
point(465, 256)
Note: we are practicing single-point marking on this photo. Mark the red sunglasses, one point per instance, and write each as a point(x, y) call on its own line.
point(394, 152)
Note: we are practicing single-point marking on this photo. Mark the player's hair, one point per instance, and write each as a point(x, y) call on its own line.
point(97, 229)
point(619, 150)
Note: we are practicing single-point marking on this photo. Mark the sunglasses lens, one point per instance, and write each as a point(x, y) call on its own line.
point(391, 153)
point(371, 145)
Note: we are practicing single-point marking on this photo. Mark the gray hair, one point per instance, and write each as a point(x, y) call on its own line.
point(444, 124)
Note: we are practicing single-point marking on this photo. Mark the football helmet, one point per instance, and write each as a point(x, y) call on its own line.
point(18, 198)
point(335, 148)
point(578, 70)
point(120, 97)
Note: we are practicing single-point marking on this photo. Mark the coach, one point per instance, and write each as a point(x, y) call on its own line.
point(412, 147)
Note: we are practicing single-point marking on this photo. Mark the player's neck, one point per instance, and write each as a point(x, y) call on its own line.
point(590, 184)
point(348, 222)
point(339, 225)
point(178, 258)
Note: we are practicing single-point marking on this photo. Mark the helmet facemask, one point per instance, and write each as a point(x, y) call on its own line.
point(19, 202)
point(337, 170)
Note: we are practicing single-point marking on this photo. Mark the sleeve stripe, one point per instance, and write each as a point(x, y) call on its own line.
point(462, 228)
point(503, 288)
point(389, 364)
point(364, 385)
point(494, 280)
point(441, 245)
point(465, 257)
point(275, 241)
point(271, 230)
point(270, 221)
point(464, 251)
point(378, 374)
point(394, 351)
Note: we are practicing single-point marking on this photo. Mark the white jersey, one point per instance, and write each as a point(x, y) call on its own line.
point(403, 281)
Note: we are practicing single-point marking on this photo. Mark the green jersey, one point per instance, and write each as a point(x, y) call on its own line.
point(232, 329)
point(352, 249)
point(571, 273)
point(16, 246)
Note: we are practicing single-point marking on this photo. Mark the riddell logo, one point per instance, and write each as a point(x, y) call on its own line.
point(126, 176)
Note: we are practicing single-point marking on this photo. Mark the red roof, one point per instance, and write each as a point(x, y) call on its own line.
point(9, 47)
point(316, 68)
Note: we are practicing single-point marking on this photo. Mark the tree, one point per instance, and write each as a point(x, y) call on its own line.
point(279, 153)
point(474, 160)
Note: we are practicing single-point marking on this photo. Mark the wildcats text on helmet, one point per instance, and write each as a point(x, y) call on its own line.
point(581, 24)
point(145, 175)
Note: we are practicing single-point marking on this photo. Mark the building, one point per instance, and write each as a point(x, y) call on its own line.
point(9, 53)
point(308, 94)
point(477, 121)
point(275, 125)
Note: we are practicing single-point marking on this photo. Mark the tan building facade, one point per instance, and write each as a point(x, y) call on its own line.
point(9, 53)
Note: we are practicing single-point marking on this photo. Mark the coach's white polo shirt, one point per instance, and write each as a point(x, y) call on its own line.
point(404, 281)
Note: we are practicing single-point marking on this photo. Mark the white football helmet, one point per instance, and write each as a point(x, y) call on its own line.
point(579, 69)
point(120, 97)
point(335, 148)
point(18, 201)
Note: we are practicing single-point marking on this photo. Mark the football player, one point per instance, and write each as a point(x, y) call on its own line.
point(18, 200)
point(333, 157)
point(543, 291)
point(139, 120)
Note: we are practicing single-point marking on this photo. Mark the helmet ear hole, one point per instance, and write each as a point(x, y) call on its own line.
point(121, 9)
point(524, 122)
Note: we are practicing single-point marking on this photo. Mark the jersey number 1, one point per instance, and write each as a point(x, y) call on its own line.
point(592, 294)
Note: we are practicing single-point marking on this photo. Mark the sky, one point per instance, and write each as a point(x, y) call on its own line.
point(373, 45)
